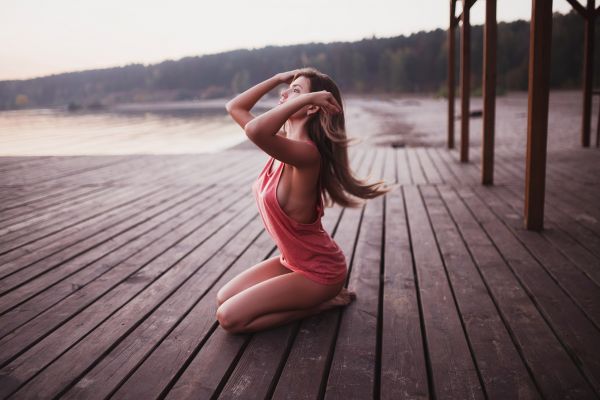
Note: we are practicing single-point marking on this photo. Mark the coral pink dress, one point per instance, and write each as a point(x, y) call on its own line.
point(305, 248)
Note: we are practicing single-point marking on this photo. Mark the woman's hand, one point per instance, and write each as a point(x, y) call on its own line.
point(287, 77)
point(325, 100)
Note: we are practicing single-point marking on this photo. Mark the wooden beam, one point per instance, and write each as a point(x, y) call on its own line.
point(489, 92)
point(598, 129)
point(451, 65)
point(578, 7)
point(465, 77)
point(467, 6)
point(588, 76)
point(540, 36)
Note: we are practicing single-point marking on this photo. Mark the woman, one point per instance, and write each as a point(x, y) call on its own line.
point(305, 133)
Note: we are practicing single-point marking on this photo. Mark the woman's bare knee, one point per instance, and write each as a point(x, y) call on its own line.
point(257, 273)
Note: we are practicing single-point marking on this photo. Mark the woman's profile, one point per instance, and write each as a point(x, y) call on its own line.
point(305, 134)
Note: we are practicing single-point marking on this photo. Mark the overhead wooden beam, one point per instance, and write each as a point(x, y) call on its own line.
point(465, 77)
point(588, 76)
point(540, 36)
point(451, 64)
point(469, 5)
point(489, 92)
point(578, 7)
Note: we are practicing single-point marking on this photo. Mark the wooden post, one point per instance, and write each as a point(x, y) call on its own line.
point(588, 77)
point(540, 36)
point(598, 128)
point(465, 74)
point(489, 93)
point(451, 63)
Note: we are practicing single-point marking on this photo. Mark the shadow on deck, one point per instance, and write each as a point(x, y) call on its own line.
point(109, 268)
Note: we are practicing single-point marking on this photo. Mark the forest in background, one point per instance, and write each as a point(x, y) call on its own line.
point(402, 64)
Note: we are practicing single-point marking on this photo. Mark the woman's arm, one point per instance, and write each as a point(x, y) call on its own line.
point(263, 129)
point(240, 106)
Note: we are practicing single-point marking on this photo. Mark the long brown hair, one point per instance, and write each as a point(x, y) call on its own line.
point(328, 132)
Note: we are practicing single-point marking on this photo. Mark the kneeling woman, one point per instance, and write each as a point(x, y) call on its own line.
point(305, 134)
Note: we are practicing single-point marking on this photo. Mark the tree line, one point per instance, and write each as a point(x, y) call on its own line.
point(404, 64)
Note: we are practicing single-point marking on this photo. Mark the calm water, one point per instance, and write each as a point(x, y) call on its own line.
point(200, 127)
point(166, 128)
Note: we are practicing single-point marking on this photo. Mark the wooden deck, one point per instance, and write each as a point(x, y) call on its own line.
point(109, 268)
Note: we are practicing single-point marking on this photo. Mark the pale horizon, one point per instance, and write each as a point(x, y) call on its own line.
point(42, 38)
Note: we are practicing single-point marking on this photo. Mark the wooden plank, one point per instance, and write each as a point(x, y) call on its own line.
point(357, 335)
point(75, 279)
point(579, 197)
point(573, 226)
point(447, 174)
point(430, 171)
point(404, 175)
point(53, 201)
point(552, 368)
point(157, 279)
point(403, 363)
point(418, 177)
point(47, 244)
point(570, 324)
point(47, 175)
point(502, 370)
point(26, 254)
point(70, 225)
point(452, 370)
point(106, 377)
point(573, 282)
point(201, 375)
point(557, 234)
point(121, 264)
point(44, 273)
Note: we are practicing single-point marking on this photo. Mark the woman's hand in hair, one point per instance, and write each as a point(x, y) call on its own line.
point(287, 77)
point(326, 101)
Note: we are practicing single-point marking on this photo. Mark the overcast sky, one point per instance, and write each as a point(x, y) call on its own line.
point(42, 37)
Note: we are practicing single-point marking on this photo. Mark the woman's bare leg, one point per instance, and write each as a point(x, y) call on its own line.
point(279, 300)
point(260, 272)
point(275, 319)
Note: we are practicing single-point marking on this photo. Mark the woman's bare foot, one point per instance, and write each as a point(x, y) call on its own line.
point(343, 298)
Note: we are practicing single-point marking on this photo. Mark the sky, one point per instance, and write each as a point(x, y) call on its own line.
point(43, 37)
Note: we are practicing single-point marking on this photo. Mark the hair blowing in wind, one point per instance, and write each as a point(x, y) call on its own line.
point(328, 132)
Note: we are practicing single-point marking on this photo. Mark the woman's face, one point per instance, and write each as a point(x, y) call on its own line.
point(297, 87)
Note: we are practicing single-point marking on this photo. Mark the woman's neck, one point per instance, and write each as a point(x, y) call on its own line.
point(296, 129)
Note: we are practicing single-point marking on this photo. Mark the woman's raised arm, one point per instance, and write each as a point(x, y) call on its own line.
point(239, 107)
point(263, 129)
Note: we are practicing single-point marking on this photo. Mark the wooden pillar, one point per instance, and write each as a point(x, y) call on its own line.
point(451, 64)
point(588, 77)
point(489, 93)
point(465, 74)
point(540, 36)
point(598, 128)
